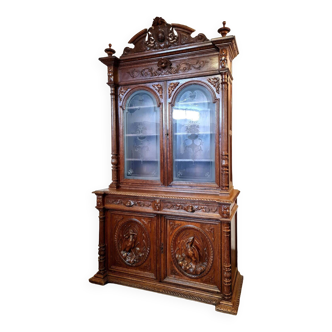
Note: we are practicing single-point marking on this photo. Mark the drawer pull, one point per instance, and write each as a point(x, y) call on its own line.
point(190, 208)
point(129, 203)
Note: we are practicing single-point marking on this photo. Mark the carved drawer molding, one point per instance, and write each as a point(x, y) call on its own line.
point(130, 203)
point(189, 207)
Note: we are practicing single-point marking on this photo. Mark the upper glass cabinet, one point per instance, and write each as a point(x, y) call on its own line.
point(194, 123)
point(141, 137)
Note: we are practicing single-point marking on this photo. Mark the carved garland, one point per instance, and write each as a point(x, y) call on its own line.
point(110, 75)
point(225, 211)
point(223, 58)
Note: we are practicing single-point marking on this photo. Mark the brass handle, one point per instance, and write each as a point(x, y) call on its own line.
point(129, 203)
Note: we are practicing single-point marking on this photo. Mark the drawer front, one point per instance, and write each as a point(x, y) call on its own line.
point(191, 208)
point(132, 245)
point(131, 203)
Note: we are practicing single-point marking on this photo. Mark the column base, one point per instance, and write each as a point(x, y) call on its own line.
point(99, 279)
point(231, 307)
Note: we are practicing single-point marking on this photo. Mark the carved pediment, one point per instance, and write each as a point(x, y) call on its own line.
point(162, 35)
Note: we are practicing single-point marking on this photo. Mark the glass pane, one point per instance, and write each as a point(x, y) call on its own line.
point(194, 122)
point(141, 135)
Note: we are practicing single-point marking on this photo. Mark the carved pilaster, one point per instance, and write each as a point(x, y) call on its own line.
point(226, 262)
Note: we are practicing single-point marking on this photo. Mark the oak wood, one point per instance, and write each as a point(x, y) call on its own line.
point(172, 237)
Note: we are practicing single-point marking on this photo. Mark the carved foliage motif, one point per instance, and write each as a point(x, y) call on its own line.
point(171, 88)
point(223, 58)
point(173, 226)
point(128, 203)
point(159, 89)
point(132, 242)
point(190, 208)
point(122, 92)
point(225, 211)
point(191, 251)
point(159, 71)
point(215, 82)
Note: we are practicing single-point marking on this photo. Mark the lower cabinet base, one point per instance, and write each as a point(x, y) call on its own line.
point(230, 307)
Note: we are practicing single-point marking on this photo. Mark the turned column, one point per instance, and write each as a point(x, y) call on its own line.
point(115, 133)
point(111, 81)
point(224, 169)
point(226, 261)
point(101, 237)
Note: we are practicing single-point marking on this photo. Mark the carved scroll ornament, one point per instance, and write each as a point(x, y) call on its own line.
point(162, 35)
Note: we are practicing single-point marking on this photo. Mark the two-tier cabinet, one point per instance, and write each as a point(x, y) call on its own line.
point(168, 221)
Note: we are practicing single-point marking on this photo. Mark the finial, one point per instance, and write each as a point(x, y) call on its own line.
point(224, 30)
point(110, 50)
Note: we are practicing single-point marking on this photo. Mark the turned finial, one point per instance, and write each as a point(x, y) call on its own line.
point(224, 30)
point(109, 50)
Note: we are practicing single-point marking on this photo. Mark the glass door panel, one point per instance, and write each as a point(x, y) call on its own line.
point(141, 137)
point(194, 123)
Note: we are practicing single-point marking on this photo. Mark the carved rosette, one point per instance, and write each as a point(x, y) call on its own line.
point(191, 251)
point(132, 242)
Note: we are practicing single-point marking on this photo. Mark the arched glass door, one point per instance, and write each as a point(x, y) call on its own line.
point(194, 123)
point(141, 137)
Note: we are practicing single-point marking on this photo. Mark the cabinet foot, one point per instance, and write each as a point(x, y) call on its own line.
point(99, 279)
point(231, 307)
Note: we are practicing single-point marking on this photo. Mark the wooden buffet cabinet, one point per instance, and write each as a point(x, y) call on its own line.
point(168, 221)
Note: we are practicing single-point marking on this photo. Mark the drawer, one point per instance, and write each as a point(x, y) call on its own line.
point(192, 208)
point(131, 203)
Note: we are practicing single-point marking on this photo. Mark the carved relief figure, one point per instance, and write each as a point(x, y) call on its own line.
point(188, 257)
point(191, 251)
point(132, 242)
point(130, 249)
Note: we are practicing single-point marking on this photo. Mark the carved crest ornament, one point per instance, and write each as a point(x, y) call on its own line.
point(162, 35)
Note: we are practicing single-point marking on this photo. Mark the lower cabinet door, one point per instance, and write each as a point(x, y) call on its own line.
point(193, 253)
point(132, 245)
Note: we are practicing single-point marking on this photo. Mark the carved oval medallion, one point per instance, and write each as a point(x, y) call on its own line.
point(192, 251)
point(132, 242)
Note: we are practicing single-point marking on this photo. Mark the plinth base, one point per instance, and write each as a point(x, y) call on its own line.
point(231, 307)
point(99, 279)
